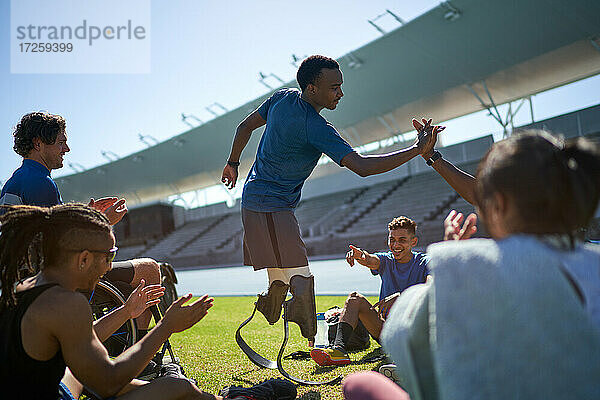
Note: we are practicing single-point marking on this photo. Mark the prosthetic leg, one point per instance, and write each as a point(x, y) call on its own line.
point(300, 309)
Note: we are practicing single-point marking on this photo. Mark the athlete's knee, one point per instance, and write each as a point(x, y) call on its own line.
point(147, 269)
point(178, 388)
point(355, 300)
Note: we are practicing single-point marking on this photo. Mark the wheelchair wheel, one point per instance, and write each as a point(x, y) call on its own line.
point(103, 300)
point(168, 281)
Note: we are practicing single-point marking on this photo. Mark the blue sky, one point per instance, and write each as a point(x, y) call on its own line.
point(212, 51)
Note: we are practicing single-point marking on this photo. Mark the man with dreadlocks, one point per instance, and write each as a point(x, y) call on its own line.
point(46, 325)
point(41, 139)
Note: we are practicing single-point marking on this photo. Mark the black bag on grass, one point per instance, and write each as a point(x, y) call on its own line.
point(360, 338)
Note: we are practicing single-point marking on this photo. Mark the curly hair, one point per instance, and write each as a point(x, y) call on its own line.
point(310, 69)
point(30, 231)
point(403, 223)
point(37, 124)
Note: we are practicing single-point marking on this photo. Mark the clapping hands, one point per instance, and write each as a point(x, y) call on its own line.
point(113, 207)
point(180, 317)
point(143, 297)
point(453, 229)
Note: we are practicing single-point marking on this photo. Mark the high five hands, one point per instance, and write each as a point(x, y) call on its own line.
point(426, 136)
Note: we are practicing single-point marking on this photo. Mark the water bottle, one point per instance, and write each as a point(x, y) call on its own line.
point(322, 337)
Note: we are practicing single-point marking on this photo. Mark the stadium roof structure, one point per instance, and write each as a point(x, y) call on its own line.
point(458, 58)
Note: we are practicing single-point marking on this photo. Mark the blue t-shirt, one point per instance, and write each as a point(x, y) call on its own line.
point(30, 184)
point(294, 139)
point(397, 276)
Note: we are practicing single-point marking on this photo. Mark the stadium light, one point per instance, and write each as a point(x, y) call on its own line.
point(186, 117)
point(179, 143)
point(262, 77)
point(386, 13)
point(218, 105)
point(76, 167)
point(109, 155)
point(148, 139)
point(296, 59)
point(452, 13)
point(353, 61)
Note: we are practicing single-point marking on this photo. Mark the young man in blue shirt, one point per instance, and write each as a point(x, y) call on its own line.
point(41, 139)
point(398, 268)
point(295, 137)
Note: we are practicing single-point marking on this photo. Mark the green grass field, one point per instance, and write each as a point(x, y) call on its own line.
point(210, 355)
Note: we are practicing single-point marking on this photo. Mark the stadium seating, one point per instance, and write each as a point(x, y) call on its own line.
point(329, 222)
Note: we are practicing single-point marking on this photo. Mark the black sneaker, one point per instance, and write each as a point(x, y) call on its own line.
point(272, 389)
point(172, 370)
point(150, 372)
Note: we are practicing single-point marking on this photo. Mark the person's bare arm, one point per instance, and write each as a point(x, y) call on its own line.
point(380, 163)
point(461, 181)
point(362, 257)
point(139, 300)
point(240, 140)
point(87, 358)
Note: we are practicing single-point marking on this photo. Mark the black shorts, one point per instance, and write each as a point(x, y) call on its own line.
point(121, 271)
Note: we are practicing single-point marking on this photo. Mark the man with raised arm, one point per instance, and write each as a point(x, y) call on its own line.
point(295, 137)
point(398, 268)
point(41, 139)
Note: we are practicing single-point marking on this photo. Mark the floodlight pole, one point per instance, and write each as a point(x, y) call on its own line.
point(262, 77)
point(218, 105)
point(143, 139)
point(387, 12)
point(109, 155)
point(76, 167)
point(185, 117)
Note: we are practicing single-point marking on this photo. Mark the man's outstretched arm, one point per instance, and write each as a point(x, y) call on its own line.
point(377, 164)
point(363, 257)
point(242, 136)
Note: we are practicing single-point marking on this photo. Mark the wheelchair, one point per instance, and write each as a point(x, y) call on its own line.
point(110, 295)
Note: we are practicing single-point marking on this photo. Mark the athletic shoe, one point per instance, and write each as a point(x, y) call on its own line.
point(389, 371)
point(150, 371)
point(325, 357)
point(171, 369)
point(272, 389)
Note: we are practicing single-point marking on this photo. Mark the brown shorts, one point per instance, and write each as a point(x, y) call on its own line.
point(272, 240)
